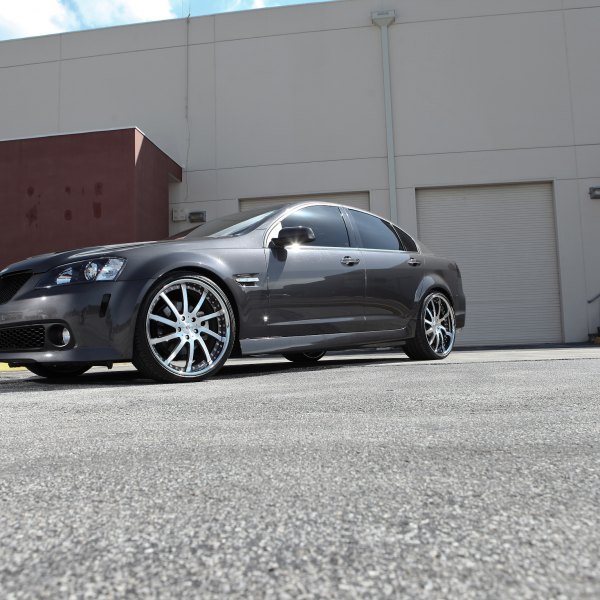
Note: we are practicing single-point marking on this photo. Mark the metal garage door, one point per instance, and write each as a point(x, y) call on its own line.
point(503, 238)
point(356, 199)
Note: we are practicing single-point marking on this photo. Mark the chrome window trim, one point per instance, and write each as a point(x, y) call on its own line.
point(384, 250)
point(295, 207)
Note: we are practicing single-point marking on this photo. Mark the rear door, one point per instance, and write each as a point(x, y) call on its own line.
point(393, 273)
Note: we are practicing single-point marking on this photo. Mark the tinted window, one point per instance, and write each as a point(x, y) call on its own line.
point(326, 222)
point(407, 241)
point(375, 233)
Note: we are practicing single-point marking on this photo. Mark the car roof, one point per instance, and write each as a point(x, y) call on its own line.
point(285, 208)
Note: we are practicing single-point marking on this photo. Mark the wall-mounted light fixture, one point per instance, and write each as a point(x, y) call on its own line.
point(198, 216)
point(178, 214)
point(595, 193)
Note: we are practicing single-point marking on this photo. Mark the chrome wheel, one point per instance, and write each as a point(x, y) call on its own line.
point(189, 327)
point(440, 327)
point(435, 329)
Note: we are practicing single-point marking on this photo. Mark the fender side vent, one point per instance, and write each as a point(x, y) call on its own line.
point(248, 279)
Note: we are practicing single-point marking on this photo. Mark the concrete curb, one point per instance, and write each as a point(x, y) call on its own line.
point(5, 367)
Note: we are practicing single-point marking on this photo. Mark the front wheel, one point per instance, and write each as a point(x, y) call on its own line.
point(435, 329)
point(305, 358)
point(185, 329)
point(58, 371)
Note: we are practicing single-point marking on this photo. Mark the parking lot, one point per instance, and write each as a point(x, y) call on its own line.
point(366, 476)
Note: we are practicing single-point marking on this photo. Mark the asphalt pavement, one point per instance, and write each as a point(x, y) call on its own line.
point(366, 476)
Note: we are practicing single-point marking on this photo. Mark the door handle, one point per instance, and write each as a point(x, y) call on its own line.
point(413, 262)
point(349, 261)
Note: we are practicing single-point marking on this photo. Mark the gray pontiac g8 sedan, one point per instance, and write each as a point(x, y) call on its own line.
point(297, 280)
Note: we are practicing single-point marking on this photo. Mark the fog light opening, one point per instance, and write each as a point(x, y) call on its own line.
point(59, 336)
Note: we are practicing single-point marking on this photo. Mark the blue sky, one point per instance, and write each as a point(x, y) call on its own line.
point(25, 18)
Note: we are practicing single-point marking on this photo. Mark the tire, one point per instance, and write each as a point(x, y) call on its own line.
point(435, 329)
point(305, 358)
point(58, 371)
point(173, 343)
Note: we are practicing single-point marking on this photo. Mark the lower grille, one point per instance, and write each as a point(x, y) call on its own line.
point(10, 284)
point(32, 337)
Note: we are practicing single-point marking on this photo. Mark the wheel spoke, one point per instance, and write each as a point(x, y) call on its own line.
point(175, 352)
point(190, 361)
point(200, 302)
point(163, 320)
point(211, 316)
point(449, 335)
point(211, 333)
point(206, 352)
point(164, 338)
point(170, 304)
point(184, 294)
point(438, 341)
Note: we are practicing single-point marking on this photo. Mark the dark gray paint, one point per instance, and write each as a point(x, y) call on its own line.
point(306, 297)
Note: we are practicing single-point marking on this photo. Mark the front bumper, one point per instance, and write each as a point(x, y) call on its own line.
point(100, 317)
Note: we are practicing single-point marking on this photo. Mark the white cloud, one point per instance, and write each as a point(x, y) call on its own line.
point(251, 4)
point(42, 17)
point(233, 5)
point(34, 17)
point(101, 13)
point(24, 18)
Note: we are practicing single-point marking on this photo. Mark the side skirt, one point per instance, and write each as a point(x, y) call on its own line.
point(337, 341)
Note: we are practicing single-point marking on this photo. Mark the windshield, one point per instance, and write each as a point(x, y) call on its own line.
point(233, 225)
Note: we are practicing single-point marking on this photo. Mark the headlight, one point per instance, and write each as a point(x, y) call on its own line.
point(85, 271)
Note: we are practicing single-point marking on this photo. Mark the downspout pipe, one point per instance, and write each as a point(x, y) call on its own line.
point(383, 19)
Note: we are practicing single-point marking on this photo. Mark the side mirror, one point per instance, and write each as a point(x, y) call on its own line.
point(293, 235)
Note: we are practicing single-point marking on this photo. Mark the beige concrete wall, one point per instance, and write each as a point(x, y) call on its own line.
point(290, 101)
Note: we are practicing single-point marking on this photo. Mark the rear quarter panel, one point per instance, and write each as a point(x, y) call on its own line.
point(444, 274)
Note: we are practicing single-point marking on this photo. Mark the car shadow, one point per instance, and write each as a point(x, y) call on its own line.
point(120, 377)
point(234, 371)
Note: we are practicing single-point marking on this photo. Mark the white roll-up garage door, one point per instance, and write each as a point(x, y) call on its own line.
point(503, 238)
point(356, 199)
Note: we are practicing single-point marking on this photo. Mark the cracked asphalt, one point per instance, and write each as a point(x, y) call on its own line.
point(366, 476)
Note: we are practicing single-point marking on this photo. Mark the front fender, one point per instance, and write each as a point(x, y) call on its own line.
point(249, 301)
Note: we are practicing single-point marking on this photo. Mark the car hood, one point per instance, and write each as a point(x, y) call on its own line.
point(45, 262)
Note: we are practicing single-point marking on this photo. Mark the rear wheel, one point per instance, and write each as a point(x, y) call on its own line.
point(185, 329)
point(58, 371)
point(305, 358)
point(435, 330)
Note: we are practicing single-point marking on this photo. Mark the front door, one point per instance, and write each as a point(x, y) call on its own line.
point(316, 288)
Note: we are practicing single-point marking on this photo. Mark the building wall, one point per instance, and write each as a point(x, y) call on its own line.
point(70, 191)
point(289, 101)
